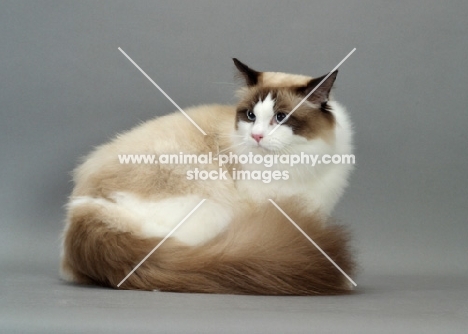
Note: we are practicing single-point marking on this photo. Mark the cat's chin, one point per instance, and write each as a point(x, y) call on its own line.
point(262, 149)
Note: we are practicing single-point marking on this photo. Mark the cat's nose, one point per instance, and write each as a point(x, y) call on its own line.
point(257, 137)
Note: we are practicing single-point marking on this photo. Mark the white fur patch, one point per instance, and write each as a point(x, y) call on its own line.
point(158, 219)
point(264, 111)
point(263, 125)
point(322, 185)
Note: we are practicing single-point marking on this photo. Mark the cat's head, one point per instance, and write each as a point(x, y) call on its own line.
point(267, 100)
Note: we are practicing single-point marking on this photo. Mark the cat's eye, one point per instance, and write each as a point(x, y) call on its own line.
point(250, 115)
point(280, 117)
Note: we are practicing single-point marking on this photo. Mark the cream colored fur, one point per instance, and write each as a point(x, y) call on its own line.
point(148, 201)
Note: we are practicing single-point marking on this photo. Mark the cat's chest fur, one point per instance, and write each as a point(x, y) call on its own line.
point(299, 154)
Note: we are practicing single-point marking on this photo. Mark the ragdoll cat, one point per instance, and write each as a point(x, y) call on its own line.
point(236, 241)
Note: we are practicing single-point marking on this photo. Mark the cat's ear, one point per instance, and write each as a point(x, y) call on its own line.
point(320, 95)
point(251, 76)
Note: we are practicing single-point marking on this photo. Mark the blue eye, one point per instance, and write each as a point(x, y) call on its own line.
point(250, 115)
point(280, 117)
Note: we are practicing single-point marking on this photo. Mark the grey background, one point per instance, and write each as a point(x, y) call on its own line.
point(65, 88)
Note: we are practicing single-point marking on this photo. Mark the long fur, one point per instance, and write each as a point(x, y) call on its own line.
point(261, 254)
point(252, 247)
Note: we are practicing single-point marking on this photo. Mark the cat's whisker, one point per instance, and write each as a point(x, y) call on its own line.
point(230, 136)
point(241, 152)
point(238, 153)
point(230, 147)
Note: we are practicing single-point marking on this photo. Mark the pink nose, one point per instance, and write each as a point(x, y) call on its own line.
point(257, 137)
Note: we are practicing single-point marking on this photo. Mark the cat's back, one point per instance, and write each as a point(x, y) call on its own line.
point(175, 129)
point(168, 134)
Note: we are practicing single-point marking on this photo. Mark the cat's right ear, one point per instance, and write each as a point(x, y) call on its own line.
point(251, 76)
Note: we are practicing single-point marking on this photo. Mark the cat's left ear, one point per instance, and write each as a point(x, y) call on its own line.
point(320, 95)
point(251, 76)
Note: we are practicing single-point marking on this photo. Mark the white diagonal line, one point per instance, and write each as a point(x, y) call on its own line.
point(313, 242)
point(161, 242)
point(312, 91)
point(163, 92)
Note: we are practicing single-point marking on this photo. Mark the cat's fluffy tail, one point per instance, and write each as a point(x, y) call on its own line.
point(260, 253)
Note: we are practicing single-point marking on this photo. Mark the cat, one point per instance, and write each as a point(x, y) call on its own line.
point(236, 242)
